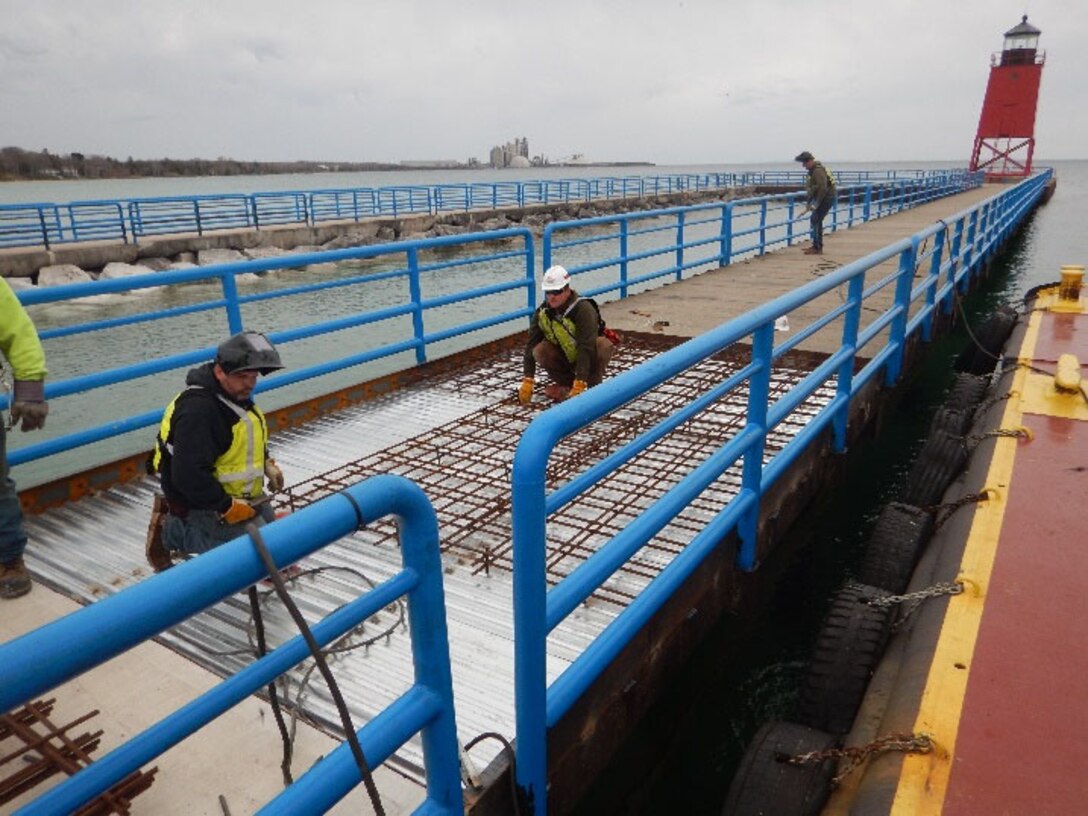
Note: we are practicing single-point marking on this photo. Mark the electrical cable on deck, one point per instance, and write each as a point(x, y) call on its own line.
point(511, 754)
point(315, 650)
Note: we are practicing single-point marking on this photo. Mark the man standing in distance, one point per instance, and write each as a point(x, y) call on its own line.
point(821, 196)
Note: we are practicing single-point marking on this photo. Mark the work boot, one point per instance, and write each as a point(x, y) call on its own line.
point(813, 251)
point(557, 392)
point(14, 579)
point(154, 548)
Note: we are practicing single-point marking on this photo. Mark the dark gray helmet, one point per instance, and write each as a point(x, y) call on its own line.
point(248, 351)
point(803, 156)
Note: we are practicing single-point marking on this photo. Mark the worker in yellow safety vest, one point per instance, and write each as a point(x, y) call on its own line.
point(211, 453)
point(567, 337)
point(23, 351)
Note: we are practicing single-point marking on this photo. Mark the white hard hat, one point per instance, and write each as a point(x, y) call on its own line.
point(556, 278)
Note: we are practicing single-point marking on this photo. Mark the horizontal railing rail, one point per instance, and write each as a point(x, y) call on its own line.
point(49, 224)
point(122, 621)
point(947, 255)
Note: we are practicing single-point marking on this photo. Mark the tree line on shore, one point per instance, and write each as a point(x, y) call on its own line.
point(17, 164)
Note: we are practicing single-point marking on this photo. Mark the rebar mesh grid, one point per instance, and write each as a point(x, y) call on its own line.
point(464, 467)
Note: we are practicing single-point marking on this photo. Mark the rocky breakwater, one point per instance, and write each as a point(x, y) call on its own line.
point(80, 263)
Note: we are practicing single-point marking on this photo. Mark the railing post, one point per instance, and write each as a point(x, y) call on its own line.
point(868, 208)
point(726, 242)
point(897, 330)
point(196, 212)
point(529, 525)
point(934, 282)
point(763, 226)
point(45, 229)
point(234, 310)
point(624, 223)
point(251, 200)
point(680, 245)
point(759, 388)
point(851, 322)
point(416, 292)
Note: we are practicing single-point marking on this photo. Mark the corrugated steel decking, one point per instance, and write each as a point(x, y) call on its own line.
point(455, 437)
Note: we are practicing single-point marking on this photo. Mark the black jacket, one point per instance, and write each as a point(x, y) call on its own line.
point(201, 430)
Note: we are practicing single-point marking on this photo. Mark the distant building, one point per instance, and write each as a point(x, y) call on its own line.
point(504, 155)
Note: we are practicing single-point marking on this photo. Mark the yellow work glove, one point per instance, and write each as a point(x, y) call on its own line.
point(28, 404)
point(525, 392)
point(238, 512)
point(577, 388)
point(274, 475)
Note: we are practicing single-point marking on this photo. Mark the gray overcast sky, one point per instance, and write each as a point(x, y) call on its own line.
point(667, 81)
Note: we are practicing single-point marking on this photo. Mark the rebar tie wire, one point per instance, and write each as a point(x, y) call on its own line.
point(323, 666)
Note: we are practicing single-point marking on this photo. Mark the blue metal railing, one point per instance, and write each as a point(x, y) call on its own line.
point(949, 254)
point(48, 224)
point(718, 233)
point(41, 660)
point(410, 270)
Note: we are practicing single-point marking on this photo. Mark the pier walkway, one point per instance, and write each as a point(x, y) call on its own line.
point(455, 436)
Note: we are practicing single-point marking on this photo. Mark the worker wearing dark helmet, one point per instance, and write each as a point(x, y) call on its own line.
point(211, 453)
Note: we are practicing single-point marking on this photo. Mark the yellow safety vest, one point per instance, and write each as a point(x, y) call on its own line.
point(240, 470)
point(560, 331)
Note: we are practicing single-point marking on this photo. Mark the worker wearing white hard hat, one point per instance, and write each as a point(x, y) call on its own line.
point(566, 338)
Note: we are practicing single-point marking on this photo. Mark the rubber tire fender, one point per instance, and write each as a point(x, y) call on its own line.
point(766, 785)
point(892, 551)
point(981, 357)
point(942, 458)
point(967, 391)
point(846, 654)
point(954, 421)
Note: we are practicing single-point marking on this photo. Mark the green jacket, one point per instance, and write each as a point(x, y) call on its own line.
point(18, 337)
point(819, 184)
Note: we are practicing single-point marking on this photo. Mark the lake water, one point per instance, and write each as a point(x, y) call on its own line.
point(63, 191)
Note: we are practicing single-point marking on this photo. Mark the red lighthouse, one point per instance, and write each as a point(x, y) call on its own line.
point(1005, 140)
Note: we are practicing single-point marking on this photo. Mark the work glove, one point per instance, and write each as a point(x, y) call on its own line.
point(525, 392)
point(577, 388)
point(28, 404)
point(274, 475)
point(238, 512)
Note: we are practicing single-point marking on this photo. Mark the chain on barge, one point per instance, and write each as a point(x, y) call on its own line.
point(573, 553)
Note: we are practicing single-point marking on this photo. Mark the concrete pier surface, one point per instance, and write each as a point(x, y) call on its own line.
point(693, 306)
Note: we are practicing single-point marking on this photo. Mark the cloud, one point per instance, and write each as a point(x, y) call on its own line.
point(698, 81)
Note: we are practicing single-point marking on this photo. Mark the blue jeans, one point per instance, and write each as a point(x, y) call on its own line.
point(202, 530)
point(12, 535)
point(816, 221)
